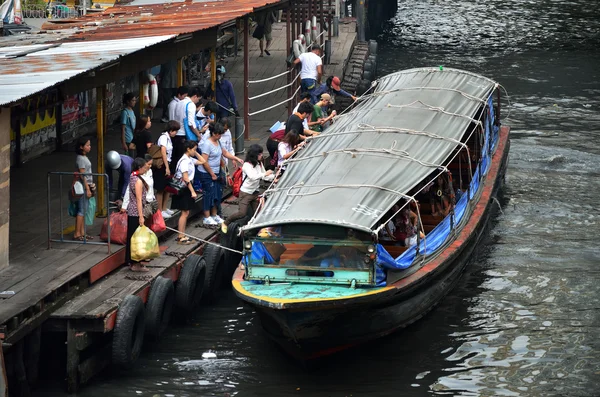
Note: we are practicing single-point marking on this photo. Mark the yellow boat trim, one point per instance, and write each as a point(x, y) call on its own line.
point(238, 286)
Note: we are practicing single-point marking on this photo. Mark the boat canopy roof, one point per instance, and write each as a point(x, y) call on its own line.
point(372, 156)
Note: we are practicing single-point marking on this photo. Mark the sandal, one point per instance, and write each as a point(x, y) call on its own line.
point(82, 238)
point(139, 268)
point(184, 241)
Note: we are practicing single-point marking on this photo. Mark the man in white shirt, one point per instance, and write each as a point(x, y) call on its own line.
point(312, 70)
point(206, 117)
point(186, 116)
point(182, 92)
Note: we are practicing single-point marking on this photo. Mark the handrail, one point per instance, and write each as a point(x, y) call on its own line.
point(106, 200)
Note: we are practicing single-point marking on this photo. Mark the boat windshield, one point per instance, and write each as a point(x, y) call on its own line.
point(329, 259)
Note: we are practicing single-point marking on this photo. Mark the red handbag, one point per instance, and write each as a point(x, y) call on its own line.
point(118, 228)
point(158, 223)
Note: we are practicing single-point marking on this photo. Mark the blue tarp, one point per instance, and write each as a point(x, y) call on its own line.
point(258, 254)
point(438, 236)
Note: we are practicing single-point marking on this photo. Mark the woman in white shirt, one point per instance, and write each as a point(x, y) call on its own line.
point(253, 171)
point(186, 199)
point(161, 174)
point(288, 146)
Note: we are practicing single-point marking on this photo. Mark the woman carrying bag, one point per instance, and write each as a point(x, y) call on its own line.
point(138, 190)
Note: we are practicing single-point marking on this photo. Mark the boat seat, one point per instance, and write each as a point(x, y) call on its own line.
point(395, 250)
point(294, 251)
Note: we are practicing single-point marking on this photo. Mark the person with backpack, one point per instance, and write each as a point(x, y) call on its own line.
point(252, 172)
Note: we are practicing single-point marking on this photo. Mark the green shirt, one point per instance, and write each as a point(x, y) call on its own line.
point(316, 115)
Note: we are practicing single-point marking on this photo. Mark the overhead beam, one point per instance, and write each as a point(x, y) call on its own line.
point(143, 59)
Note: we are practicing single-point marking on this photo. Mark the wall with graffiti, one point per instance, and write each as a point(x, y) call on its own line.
point(37, 118)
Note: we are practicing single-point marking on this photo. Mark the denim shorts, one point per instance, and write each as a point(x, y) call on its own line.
point(209, 191)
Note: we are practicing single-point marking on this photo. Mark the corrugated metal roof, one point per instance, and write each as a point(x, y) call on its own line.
point(94, 40)
point(140, 19)
point(39, 70)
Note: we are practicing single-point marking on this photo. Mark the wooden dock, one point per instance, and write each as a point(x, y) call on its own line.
point(77, 289)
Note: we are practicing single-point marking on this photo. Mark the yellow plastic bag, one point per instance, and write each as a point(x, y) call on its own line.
point(144, 244)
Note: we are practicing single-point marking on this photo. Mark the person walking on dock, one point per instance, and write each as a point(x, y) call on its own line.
point(263, 30)
point(128, 122)
point(224, 95)
point(138, 190)
point(84, 166)
point(312, 70)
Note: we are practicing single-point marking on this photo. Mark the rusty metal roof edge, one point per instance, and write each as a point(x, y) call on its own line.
point(70, 33)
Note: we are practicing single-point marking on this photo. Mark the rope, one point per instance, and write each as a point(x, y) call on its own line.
point(391, 151)
point(270, 78)
point(468, 96)
point(434, 108)
point(204, 241)
point(326, 187)
point(275, 90)
point(277, 104)
point(508, 99)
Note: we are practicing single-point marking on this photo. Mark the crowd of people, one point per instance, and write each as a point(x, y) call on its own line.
point(192, 153)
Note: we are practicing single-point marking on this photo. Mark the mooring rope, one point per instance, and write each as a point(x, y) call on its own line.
point(204, 241)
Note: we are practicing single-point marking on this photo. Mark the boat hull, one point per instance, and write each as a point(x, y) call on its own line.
point(315, 329)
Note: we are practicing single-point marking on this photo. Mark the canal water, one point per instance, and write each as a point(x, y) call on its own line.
point(525, 317)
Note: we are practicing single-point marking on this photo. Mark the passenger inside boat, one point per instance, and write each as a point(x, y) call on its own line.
point(441, 196)
point(407, 227)
point(342, 248)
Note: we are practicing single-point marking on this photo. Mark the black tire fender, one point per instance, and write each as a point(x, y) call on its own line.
point(367, 75)
point(190, 285)
point(159, 306)
point(128, 335)
point(373, 60)
point(373, 47)
point(233, 241)
point(213, 255)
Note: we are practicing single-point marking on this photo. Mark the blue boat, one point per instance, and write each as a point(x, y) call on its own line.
point(374, 220)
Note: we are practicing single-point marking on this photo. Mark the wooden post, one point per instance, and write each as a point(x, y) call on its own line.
point(4, 185)
point(322, 22)
point(3, 378)
point(100, 133)
point(246, 78)
point(72, 359)
point(288, 41)
point(141, 80)
point(179, 72)
point(360, 20)
point(213, 70)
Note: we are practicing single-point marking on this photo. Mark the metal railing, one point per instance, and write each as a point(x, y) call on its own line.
point(56, 11)
point(65, 189)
